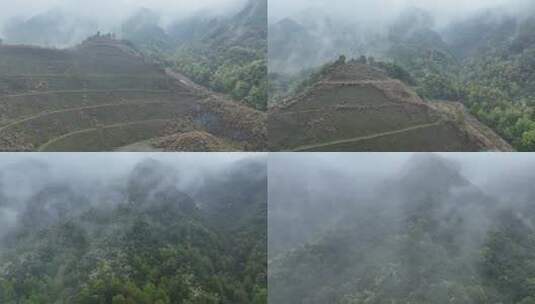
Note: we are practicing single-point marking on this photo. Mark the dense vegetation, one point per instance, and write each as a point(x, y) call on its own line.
point(142, 242)
point(227, 55)
point(427, 238)
point(492, 75)
point(227, 71)
point(496, 89)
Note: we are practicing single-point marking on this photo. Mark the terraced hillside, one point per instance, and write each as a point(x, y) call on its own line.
point(104, 95)
point(356, 107)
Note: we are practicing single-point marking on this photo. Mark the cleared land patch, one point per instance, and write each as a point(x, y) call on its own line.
point(108, 138)
point(358, 108)
point(104, 95)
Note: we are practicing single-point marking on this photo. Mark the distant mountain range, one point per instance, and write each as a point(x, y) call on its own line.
point(296, 44)
point(56, 27)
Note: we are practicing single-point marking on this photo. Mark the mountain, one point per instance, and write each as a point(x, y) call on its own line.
point(298, 44)
point(105, 94)
point(415, 44)
point(303, 42)
point(482, 61)
point(524, 39)
point(450, 244)
point(231, 56)
point(494, 74)
point(153, 243)
point(354, 106)
point(143, 29)
point(53, 28)
point(480, 33)
point(487, 66)
point(226, 54)
point(247, 29)
point(289, 44)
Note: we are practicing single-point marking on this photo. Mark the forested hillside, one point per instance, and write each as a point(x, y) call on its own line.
point(225, 54)
point(163, 234)
point(487, 65)
point(427, 235)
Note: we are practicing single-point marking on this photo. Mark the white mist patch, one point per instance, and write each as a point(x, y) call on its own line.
point(8, 220)
point(381, 12)
point(108, 15)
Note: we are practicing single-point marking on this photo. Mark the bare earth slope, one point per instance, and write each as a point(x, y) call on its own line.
point(103, 95)
point(356, 107)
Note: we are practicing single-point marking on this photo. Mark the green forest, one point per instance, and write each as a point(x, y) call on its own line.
point(141, 242)
point(493, 75)
point(225, 54)
point(425, 239)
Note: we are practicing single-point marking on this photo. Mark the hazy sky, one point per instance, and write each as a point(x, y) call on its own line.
point(94, 175)
point(108, 163)
point(483, 169)
point(381, 10)
point(23, 172)
point(109, 12)
point(310, 193)
point(22, 175)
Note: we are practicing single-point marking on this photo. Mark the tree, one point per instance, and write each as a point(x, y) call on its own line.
point(341, 60)
point(528, 140)
point(7, 292)
point(527, 300)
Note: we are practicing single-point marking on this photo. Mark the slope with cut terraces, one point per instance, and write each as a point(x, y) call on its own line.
point(104, 95)
point(357, 107)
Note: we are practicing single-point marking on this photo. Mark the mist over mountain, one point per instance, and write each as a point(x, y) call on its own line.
point(385, 11)
point(60, 24)
point(364, 28)
point(133, 228)
point(226, 53)
point(421, 228)
point(479, 54)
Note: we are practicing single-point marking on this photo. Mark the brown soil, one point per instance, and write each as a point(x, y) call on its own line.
point(479, 131)
point(195, 141)
point(353, 71)
point(66, 97)
point(237, 123)
point(357, 108)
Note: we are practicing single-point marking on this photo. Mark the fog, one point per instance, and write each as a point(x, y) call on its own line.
point(414, 228)
point(86, 17)
point(111, 13)
point(312, 193)
point(384, 11)
point(308, 33)
point(115, 9)
point(55, 182)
